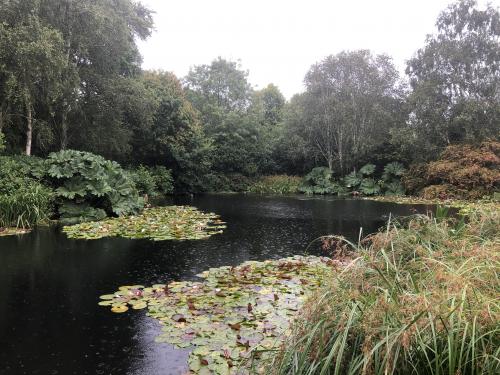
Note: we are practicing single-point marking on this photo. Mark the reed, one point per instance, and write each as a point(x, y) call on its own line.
point(417, 298)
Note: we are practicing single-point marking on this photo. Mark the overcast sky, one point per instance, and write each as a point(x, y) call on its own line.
point(278, 40)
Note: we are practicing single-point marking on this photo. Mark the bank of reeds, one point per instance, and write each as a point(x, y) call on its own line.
point(417, 298)
point(26, 206)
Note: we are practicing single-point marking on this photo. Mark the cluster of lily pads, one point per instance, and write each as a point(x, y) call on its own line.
point(158, 224)
point(4, 232)
point(232, 320)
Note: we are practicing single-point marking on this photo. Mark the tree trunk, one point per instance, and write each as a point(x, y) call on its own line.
point(64, 130)
point(29, 131)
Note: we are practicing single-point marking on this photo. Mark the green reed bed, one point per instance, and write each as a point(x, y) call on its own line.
point(25, 207)
point(417, 298)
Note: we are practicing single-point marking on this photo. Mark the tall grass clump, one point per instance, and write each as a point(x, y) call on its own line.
point(26, 206)
point(24, 199)
point(419, 298)
point(277, 184)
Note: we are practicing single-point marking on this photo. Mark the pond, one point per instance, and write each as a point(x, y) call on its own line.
point(50, 322)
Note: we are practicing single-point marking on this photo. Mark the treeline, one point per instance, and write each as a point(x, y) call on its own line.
point(71, 78)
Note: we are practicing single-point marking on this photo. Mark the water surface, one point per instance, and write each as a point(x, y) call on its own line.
point(50, 322)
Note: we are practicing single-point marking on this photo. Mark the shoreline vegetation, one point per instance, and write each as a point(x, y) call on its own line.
point(418, 297)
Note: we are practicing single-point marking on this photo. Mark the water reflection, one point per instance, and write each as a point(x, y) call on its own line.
point(49, 286)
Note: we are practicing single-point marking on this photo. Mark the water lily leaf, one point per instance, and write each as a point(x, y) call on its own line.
point(119, 309)
point(157, 224)
point(107, 296)
point(232, 314)
point(139, 305)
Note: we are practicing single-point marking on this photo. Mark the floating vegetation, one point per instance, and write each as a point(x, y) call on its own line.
point(235, 318)
point(13, 231)
point(464, 207)
point(157, 224)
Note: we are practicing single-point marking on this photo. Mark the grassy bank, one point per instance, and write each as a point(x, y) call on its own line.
point(417, 298)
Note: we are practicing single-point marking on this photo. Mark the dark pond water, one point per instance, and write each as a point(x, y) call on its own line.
point(50, 322)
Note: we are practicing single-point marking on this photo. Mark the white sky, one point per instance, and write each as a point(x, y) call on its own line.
point(278, 40)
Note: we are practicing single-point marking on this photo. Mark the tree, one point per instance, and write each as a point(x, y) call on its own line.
point(32, 64)
point(98, 43)
point(222, 95)
point(455, 79)
point(218, 88)
point(268, 104)
point(173, 136)
point(352, 100)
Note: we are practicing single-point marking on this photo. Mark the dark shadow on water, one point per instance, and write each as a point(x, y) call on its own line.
point(50, 322)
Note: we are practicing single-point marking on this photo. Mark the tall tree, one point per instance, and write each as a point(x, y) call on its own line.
point(31, 64)
point(222, 95)
point(352, 100)
point(455, 79)
point(99, 46)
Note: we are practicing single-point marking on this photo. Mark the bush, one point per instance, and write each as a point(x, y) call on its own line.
point(414, 299)
point(153, 181)
point(278, 184)
point(467, 172)
point(319, 181)
point(87, 185)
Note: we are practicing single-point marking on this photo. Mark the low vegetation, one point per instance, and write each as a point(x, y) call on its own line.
point(24, 200)
point(276, 184)
point(363, 182)
point(419, 297)
point(231, 319)
point(158, 224)
point(462, 172)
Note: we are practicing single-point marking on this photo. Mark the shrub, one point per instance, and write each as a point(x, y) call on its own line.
point(153, 181)
point(473, 171)
point(415, 178)
point(226, 183)
point(278, 184)
point(84, 180)
point(468, 172)
point(414, 299)
point(319, 181)
point(391, 179)
point(163, 179)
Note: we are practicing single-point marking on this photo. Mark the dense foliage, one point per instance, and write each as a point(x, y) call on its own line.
point(363, 182)
point(462, 171)
point(90, 187)
point(70, 78)
point(407, 303)
point(24, 200)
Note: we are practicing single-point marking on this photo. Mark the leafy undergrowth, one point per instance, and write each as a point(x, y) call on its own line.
point(233, 319)
point(158, 224)
point(13, 231)
point(277, 184)
point(419, 298)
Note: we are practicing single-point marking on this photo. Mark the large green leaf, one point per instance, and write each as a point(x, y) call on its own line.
point(369, 186)
point(367, 170)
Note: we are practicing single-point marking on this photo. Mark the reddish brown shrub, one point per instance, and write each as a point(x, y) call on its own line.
point(463, 171)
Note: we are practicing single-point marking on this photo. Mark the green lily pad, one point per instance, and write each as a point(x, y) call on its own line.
point(119, 309)
point(157, 224)
point(234, 313)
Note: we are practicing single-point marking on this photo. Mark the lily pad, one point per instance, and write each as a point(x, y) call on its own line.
point(119, 309)
point(157, 224)
point(235, 316)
